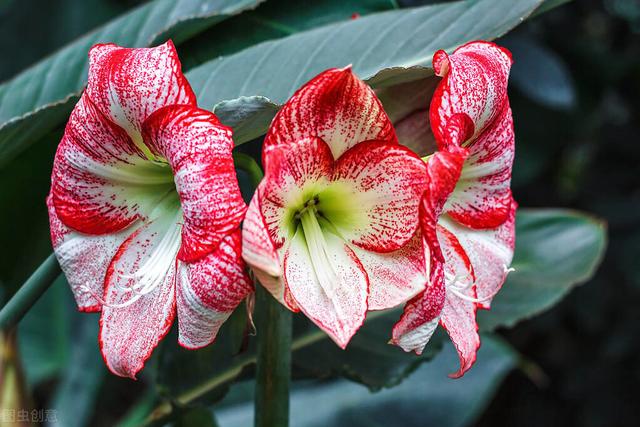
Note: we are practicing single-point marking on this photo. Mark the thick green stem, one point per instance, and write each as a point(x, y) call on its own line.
point(274, 361)
point(273, 373)
point(29, 293)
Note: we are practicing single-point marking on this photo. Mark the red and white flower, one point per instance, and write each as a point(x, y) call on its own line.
point(467, 212)
point(145, 207)
point(332, 228)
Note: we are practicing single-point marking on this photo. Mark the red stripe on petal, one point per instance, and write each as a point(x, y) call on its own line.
point(100, 182)
point(134, 320)
point(198, 148)
point(386, 183)
point(128, 85)
point(335, 106)
point(208, 292)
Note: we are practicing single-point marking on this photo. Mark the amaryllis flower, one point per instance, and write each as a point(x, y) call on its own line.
point(145, 207)
point(331, 229)
point(468, 211)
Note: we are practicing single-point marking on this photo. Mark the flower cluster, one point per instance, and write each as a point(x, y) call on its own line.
point(146, 211)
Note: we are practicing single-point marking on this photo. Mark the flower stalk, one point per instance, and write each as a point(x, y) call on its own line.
point(274, 362)
point(273, 374)
point(29, 293)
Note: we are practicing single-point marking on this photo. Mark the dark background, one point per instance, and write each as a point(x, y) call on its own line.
point(575, 93)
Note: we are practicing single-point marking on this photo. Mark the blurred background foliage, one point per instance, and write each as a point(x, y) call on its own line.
point(575, 93)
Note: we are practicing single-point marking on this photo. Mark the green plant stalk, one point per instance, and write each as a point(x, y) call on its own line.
point(29, 293)
point(274, 361)
point(273, 374)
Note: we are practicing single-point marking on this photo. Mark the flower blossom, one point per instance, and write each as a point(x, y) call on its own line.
point(145, 207)
point(467, 213)
point(332, 229)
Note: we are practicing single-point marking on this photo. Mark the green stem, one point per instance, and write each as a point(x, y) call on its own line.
point(29, 293)
point(250, 166)
point(273, 373)
point(274, 361)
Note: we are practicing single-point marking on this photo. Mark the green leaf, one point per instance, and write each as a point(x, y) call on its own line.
point(37, 100)
point(555, 250)
point(427, 398)
point(76, 394)
point(247, 115)
point(272, 20)
point(44, 335)
point(368, 359)
point(386, 48)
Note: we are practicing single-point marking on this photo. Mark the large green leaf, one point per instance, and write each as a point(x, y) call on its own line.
point(555, 250)
point(271, 20)
point(38, 99)
point(427, 398)
point(385, 48)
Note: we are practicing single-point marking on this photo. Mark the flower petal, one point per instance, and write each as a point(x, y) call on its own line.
point(198, 148)
point(490, 252)
point(331, 289)
point(293, 174)
point(259, 252)
point(100, 182)
point(395, 277)
point(335, 106)
point(128, 85)
point(386, 182)
point(482, 197)
point(421, 315)
point(84, 259)
point(458, 315)
point(208, 292)
point(139, 296)
point(474, 84)
point(414, 132)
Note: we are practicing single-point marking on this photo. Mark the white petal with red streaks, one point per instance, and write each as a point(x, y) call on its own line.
point(482, 197)
point(421, 315)
point(490, 252)
point(259, 252)
point(294, 174)
point(395, 277)
point(458, 315)
point(335, 106)
point(198, 149)
point(128, 85)
point(475, 84)
point(328, 283)
point(139, 296)
point(100, 181)
point(384, 184)
point(84, 259)
point(209, 290)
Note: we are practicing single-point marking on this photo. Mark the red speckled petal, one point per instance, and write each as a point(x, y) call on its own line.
point(475, 84)
point(395, 277)
point(100, 182)
point(198, 148)
point(208, 292)
point(259, 252)
point(490, 252)
point(475, 87)
point(458, 315)
point(335, 106)
point(386, 182)
point(84, 259)
point(330, 287)
point(128, 85)
point(139, 296)
point(482, 198)
point(292, 174)
point(421, 315)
